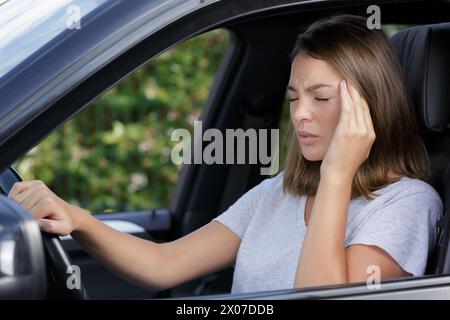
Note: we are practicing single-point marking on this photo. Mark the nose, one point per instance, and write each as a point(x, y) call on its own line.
point(301, 111)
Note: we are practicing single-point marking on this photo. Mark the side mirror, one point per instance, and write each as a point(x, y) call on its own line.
point(22, 260)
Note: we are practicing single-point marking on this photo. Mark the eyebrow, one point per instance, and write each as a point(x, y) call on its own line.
point(310, 88)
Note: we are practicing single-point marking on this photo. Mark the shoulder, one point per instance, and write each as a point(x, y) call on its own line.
point(274, 183)
point(410, 186)
point(267, 188)
point(401, 221)
point(270, 189)
point(411, 193)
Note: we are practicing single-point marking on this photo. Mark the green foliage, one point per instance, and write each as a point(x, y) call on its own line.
point(115, 155)
point(391, 29)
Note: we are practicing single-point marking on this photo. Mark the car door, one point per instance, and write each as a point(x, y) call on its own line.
point(434, 287)
point(132, 216)
point(114, 157)
point(99, 282)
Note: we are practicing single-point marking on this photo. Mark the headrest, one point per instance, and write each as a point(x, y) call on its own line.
point(424, 55)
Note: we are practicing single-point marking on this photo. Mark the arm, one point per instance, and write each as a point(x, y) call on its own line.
point(159, 266)
point(326, 234)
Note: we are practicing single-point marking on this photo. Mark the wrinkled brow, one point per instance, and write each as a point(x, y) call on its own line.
point(310, 88)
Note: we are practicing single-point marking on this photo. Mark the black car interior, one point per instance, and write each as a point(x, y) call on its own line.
point(423, 53)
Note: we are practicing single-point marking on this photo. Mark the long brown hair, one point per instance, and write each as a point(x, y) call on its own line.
point(366, 58)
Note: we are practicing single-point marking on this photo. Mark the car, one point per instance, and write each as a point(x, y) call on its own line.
point(52, 71)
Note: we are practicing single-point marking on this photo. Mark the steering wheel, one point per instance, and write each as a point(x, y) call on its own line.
point(60, 267)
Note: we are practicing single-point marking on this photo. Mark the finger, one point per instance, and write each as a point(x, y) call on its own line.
point(49, 226)
point(41, 210)
point(356, 98)
point(25, 194)
point(346, 102)
point(369, 124)
point(33, 198)
point(19, 187)
point(367, 117)
point(365, 112)
point(45, 225)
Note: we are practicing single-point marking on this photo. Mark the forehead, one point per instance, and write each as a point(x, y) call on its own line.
point(308, 70)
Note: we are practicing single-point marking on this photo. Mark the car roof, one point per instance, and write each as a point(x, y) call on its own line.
point(112, 26)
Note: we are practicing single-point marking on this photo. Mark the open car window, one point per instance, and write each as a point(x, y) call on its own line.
point(115, 156)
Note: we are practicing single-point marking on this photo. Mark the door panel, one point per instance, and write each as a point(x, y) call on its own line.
point(99, 281)
point(426, 287)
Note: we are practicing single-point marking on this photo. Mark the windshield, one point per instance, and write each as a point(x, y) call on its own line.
point(28, 25)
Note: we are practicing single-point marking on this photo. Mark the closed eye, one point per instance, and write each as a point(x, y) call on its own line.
point(322, 99)
point(293, 99)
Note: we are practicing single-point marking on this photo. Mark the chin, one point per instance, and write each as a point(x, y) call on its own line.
point(311, 155)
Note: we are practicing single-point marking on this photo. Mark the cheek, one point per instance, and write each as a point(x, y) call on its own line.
point(291, 115)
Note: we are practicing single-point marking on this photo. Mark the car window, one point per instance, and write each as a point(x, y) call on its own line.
point(46, 18)
point(116, 154)
point(392, 28)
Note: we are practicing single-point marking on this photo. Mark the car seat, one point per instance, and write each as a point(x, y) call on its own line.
point(424, 55)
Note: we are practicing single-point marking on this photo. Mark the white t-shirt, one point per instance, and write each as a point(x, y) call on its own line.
point(401, 220)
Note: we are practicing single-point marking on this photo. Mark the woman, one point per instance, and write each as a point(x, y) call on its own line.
point(353, 198)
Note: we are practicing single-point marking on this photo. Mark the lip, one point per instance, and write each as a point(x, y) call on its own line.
point(306, 139)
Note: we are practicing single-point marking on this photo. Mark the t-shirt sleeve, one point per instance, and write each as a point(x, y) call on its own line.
point(405, 228)
point(238, 216)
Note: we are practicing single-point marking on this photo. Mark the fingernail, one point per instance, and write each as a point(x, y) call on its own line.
point(344, 83)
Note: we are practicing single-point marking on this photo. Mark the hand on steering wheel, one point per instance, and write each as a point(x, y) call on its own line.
point(54, 217)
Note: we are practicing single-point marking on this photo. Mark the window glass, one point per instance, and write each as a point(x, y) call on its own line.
point(116, 154)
